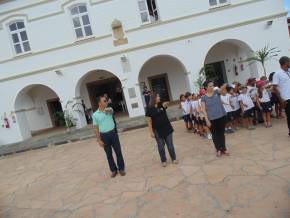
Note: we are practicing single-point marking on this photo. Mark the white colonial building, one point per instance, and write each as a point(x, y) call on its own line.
point(56, 53)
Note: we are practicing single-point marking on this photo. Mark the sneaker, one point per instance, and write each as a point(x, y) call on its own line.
point(218, 153)
point(230, 131)
point(164, 164)
point(209, 136)
point(114, 174)
point(175, 162)
point(122, 172)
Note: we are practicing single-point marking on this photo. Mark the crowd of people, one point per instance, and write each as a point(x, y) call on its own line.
point(212, 113)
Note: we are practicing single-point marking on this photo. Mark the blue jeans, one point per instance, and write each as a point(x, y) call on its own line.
point(168, 140)
point(111, 141)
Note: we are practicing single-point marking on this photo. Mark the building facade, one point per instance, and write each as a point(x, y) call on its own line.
point(58, 55)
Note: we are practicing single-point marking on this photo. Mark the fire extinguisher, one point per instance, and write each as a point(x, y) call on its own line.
point(6, 123)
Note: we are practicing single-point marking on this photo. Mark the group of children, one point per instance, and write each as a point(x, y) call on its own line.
point(242, 103)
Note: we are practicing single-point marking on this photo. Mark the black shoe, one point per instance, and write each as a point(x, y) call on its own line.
point(114, 174)
point(122, 172)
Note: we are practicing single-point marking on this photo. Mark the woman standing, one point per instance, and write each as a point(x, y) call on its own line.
point(160, 128)
point(215, 116)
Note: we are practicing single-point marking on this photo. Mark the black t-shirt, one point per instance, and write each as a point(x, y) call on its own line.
point(160, 121)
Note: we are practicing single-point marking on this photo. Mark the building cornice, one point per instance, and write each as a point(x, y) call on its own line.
point(122, 51)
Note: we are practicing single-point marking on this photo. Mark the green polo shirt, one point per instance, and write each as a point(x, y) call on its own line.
point(104, 121)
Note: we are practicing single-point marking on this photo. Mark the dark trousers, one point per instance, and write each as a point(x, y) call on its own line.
point(218, 133)
point(287, 110)
point(168, 140)
point(111, 141)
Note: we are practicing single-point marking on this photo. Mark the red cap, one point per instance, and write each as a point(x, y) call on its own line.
point(202, 92)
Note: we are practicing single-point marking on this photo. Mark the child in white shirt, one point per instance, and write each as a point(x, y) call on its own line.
point(264, 103)
point(247, 107)
point(225, 97)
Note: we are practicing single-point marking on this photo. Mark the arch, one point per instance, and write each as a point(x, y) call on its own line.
point(225, 59)
point(35, 107)
point(167, 72)
point(98, 82)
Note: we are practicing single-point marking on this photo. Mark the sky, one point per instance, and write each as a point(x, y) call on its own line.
point(287, 5)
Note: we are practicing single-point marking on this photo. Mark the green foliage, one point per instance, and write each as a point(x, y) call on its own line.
point(205, 71)
point(263, 55)
point(58, 118)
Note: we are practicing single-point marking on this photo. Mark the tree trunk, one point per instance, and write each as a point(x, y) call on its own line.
point(264, 68)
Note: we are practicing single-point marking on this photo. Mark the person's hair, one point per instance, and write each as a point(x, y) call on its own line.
point(206, 83)
point(99, 100)
point(271, 76)
point(284, 60)
point(181, 96)
point(229, 88)
point(187, 94)
point(152, 101)
point(260, 93)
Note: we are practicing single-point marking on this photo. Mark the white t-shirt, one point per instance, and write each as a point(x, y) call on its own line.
point(235, 102)
point(186, 106)
point(247, 101)
point(252, 91)
point(265, 96)
point(226, 102)
point(282, 80)
point(194, 106)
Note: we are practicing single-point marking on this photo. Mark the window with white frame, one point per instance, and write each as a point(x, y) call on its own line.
point(218, 2)
point(81, 21)
point(19, 37)
point(148, 11)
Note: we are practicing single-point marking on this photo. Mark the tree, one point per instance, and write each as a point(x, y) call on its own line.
point(263, 55)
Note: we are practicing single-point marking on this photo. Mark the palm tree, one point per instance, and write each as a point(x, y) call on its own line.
point(263, 55)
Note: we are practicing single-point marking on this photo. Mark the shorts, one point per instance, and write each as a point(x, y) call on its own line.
point(237, 113)
point(230, 116)
point(249, 113)
point(201, 121)
point(187, 118)
point(266, 107)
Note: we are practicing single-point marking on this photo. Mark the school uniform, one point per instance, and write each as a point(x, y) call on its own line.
point(186, 107)
point(248, 105)
point(265, 102)
point(227, 106)
point(237, 108)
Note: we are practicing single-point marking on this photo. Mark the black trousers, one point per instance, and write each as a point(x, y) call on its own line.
point(168, 140)
point(111, 141)
point(218, 133)
point(287, 110)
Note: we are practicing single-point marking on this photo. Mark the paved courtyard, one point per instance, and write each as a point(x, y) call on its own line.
point(72, 180)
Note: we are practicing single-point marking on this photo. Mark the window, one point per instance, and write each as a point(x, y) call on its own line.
point(19, 37)
point(148, 11)
point(218, 2)
point(81, 21)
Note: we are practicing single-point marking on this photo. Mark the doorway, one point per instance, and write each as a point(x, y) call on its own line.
point(159, 84)
point(216, 72)
point(55, 112)
point(112, 87)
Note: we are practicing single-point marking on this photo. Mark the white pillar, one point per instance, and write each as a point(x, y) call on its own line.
point(133, 98)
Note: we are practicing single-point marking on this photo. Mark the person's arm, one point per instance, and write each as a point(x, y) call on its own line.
point(277, 92)
point(258, 102)
point(98, 135)
point(149, 122)
point(203, 107)
point(165, 104)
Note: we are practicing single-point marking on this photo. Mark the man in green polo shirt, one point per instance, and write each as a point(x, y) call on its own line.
point(107, 136)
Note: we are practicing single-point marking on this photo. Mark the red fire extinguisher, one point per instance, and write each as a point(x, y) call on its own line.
point(6, 123)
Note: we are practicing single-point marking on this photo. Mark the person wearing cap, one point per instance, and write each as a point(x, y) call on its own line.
point(281, 85)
